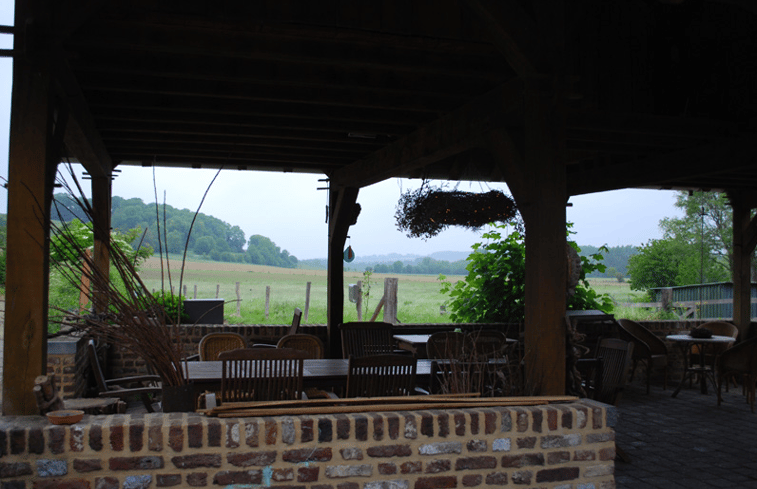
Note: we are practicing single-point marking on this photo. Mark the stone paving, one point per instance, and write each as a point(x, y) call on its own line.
point(687, 441)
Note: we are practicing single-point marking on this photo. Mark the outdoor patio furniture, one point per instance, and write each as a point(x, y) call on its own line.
point(487, 344)
point(741, 360)
point(719, 328)
point(261, 374)
point(148, 385)
point(308, 343)
point(381, 375)
point(607, 373)
point(446, 345)
point(214, 343)
point(360, 339)
point(489, 379)
point(647, 349)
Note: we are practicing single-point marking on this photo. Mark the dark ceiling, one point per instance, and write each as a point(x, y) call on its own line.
point(659, 94)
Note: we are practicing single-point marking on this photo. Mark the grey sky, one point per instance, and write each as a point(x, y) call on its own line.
point(288, 208)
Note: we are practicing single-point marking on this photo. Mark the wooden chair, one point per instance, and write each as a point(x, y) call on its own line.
point(448, 345)
point(381, 375)
point(488, 344)
point(148, 385)
point(607, 374)
point(261, 374)
point(214, 343)
point(360, 339)
point(296, 319)
point(460, 376)
point(739, 360)
point(647, 349)
point(310, 344)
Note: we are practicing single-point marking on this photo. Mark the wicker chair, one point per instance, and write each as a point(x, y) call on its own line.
point(310, 344)
point(647, 349)
point(214, 343)
point(360, 339)
point(718, 328)
point(381, 375)
point(739, 360)
point(261, 374)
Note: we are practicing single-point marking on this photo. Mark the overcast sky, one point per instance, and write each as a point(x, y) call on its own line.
point(290, 210)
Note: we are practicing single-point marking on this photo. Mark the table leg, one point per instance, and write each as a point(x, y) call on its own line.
point(703, 374)
point(686, 371)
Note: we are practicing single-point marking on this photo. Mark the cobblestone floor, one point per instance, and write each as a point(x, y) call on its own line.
point(687, 441)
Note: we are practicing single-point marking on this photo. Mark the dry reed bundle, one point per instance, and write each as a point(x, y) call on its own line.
point(130, 317)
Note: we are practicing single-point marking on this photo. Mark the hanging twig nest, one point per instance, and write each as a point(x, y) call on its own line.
point(425, 212)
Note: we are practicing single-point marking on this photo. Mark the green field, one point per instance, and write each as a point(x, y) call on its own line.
point(419, 299)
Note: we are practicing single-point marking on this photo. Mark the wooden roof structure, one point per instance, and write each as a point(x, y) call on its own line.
point(555, 98)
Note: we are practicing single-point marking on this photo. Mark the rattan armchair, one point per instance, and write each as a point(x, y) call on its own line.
point(214, 343)
point(647, 349)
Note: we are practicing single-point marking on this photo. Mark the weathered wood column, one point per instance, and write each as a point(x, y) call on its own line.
point(343, 212)
point(744, 241)
point(101, 206)
point(34, 148)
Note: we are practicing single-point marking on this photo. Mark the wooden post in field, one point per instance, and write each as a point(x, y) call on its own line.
point(267, 299)
point(390, 302)
point(307, 302)
point(195, 292)
point(239, 301)
point(359, 301)
point(218, 290)
point(185, 290)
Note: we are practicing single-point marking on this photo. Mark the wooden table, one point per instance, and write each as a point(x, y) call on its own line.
point(325, 373)
point(685, 341)
point(416, 343)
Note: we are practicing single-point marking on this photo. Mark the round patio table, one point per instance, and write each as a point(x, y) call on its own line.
point(685, 341)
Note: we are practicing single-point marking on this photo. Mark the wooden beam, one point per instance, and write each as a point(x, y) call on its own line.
point(101, 208)
point(31, 172)
point(514, 33)
point(342, 209)
point(743, 247)
point(454, 133)
point(669, 169)
point(82, 139)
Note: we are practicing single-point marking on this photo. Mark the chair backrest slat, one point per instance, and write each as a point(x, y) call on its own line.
point(381, 375)
point(261, 374)
point(360, 339)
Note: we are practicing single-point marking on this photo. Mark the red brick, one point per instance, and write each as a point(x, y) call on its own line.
point(195, 461)
point(378, 427)
point(538, 418)
point(476, 446)
point(361, 428)
point(325, 430)
point(551, 418)
point(490, 422)
point(459, 420)
point(135, 463)
point(307, 474)
point(607, 453)
point(496, 479)
point(279, 475)
point(87, 465)
point(521, 420)
point(96, 437)
point(106, 483)
point(472, 480)
point(522, 477)
point(567, 418)
point(523, 460)
point(526, 442)
point(585, 455)
point(36, 441)
point(393, 424)
point(117, 438)
point(176, 437)
point(214, 433)
point(387, 469)
point(155, 438)
point(411, 467)
point(135, 436)
point(342, 427)
point(251, 434)
point(197, 479)
point(307, 455)
point(226, 478)
point(306, 429)
point(474, 423)
point(16, 469)
point(233, 434)
point(389, 451)
point(443, 422)
point(251, 458)
point(271, 432)
point(472, 463)
point(167, 480)
point(555, 475)
point(427, 424)
point(558, 457)
point(436, 482)
point(55, 441)
point(194, 434)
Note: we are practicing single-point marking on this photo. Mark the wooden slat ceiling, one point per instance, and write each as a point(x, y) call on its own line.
point(363, 89)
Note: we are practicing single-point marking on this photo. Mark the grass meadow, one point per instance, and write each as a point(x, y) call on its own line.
point(419, 296)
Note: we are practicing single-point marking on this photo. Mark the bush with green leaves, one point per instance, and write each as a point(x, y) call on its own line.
point(173, 305)
point(495, 288)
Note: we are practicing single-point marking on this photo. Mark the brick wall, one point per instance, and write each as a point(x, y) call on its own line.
point(568, 446)
point(67, 359)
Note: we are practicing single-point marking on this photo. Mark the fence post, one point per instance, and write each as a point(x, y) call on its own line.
point(307, 302)
point(390, 296)
point(666, 298)
point(359, 301)
point(267, 299)
point(185, 290)
point(195, 292)
point(218, 290)
point(239, 301)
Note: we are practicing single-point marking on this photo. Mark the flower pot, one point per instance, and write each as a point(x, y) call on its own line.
point(178, 398)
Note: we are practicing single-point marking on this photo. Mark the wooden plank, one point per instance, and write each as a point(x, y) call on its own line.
point(101, 206)
point(742, 257)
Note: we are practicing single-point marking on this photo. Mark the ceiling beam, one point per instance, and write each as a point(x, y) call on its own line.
point(82, 140)
point(515, 34)
point(695, 164)
point(454, 133)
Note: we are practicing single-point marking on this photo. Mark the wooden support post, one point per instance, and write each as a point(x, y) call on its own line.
point(31, 173)
point(744, 240)
point(84, 291)
point(390, 300)
point(342, 214)
point(101, 205)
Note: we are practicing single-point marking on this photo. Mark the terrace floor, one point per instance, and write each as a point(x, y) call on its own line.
point(687, 441)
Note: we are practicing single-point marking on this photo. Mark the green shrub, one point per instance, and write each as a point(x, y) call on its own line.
point(173, 305)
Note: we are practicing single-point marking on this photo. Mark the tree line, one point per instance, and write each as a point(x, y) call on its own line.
point(211, 238)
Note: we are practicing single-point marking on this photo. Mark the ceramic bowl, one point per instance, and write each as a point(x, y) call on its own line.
point(66, 416)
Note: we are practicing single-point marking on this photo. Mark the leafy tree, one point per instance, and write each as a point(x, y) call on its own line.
point(656, 265)
point(495, 288)
point(79, 236)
